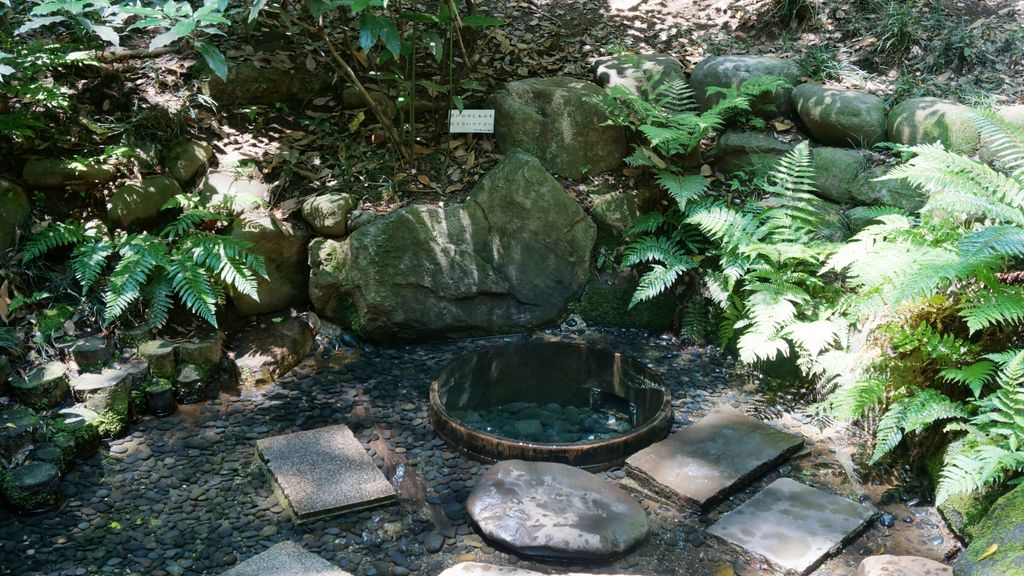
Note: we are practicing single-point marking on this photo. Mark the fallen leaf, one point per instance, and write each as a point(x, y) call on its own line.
point(424, 179)
point(310, 63)
point(378, 138)
point(988, 552)
point(353, 124)
point(782, 125)
point(420, 149)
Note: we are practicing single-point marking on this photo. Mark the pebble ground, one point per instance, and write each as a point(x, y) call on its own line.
point(181, 495)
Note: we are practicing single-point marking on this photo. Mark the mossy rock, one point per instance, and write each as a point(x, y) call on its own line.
point(962, 512)
point(76, 426)
point(160, 398)
point(140, 205)
point(190, 385)
point(605, 303)
point(43, 388)
point(60, 456)
point(108, 395)
point(183, 160)
point(52, 319)
point(160, 357)
point(91, 352)
point(19, 427)
point(32, 487)
point(14, 212)
point(58, 173)
point(928, 120)
point(204, 352)
point(1003, 526)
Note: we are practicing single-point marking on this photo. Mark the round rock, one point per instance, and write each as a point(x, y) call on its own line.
point(556, 511)
point(841, 117)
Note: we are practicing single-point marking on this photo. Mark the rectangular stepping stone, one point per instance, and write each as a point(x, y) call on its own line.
point(322, 472)
point(286, 559)
point(702, 464)
point(793, 526)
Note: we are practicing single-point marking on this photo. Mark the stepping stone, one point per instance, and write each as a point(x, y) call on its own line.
point(322, 472)
point(702, 464)
point(286, 559)
point(793, 526)
point(555, 511)
point(889, 565)
point(478, 569)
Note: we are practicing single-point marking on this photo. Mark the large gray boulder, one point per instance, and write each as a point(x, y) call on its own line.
point(58, 173)
point(930, 120)
point(836, 171)
point(635, 71)
point(283, 245)
point(838, 117)
point(185, 159)
point(138, 204)
point(869, 190)
point(508, 259)
point(752, 153)
point(557, 121)
point(731, 71)
point(14, 211)
point(1003, 529)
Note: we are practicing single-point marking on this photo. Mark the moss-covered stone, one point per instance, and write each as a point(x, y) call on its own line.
point(927, 120)
point(160, 397)
point(76, 426)
point(1003, 526)
point(962, 512)
point(50, 320)
point(43, 388)
point(32, 487)
point(605, 302)
point(19, 427)
point(160, 357)
point(14, 211)
point(190, 385)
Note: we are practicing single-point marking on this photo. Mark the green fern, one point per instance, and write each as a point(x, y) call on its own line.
point(974, 376)
point(54, 236)
point(913, 414)
point(999, 306)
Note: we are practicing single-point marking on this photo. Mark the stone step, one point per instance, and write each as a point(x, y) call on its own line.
point(322, 472)
point(702, 464)
point(792, 526)
point(889, 565)
point(555, 511)
point(478, 569)
point(286, 559)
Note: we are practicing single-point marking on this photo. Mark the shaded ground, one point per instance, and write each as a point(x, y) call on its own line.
point(181, 495)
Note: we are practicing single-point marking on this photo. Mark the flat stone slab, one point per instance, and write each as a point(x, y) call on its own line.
point(555, 511)
point(889, 565)
point(792, 525)
point(323, 472)
point(702, 464)
point(478, 569)
point(286, 559)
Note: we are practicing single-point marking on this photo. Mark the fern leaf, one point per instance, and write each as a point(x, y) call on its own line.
point(88, 261)
point(1003, 305)
point(159, 300)
point(1005, 241)
point(913, 414)
point(975, 467)
point(1005, 141)
point(193, 287)
point(650, 249)
point(854, 400)
point(55, 235)
point(140, 254)
point(815, 336)
point(723, 224)
point(682, 189)
point(659, 279)
point(975, 376)
point(647, 223)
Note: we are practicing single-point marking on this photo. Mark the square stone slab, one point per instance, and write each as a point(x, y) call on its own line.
point(286, 559)
point(322, 472)
point(698, 466)
point(792, 525)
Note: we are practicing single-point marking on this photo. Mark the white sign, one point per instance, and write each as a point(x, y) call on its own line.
point(471, 121)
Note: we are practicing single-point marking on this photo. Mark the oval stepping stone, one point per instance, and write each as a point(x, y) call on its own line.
point(478, 569)
point(556, 511)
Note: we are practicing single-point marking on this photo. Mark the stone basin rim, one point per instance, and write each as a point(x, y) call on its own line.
point(593, 455)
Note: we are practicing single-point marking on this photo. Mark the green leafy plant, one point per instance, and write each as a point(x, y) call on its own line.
point(183, 261)
point(955, 256)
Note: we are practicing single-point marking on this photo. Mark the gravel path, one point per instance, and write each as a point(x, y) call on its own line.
point(181, 495)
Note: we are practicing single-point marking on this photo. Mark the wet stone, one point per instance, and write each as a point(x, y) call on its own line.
point(323, 472)
point(286, 559)
point(792, 525)
point(701, 464)
point(478, 569)
point(525, 506)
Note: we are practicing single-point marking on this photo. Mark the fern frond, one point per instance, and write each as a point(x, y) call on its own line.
point(974, 376)
point(647, 223)
point(159, 300)
point(815, 336)
point(1004, 140)
point(675, 97)
point(976, 467)
point(88, 261)
point(229, 259)
point(724, 224)
point(140, 254)
point(854, 400)
point(682, 189)
point(188, 222)
point(650, 249)
point(1005, 241)
point(193, 287)
point(55, 235)
point(659, 279)
point(1003, 305)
